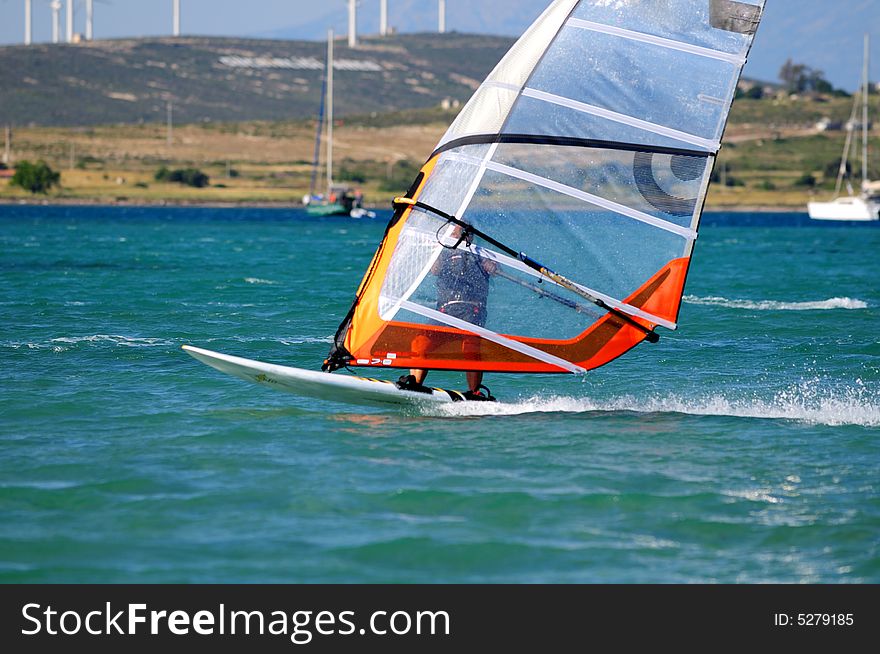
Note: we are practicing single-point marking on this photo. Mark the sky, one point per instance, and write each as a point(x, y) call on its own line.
point(815, 32)
point(118, 18)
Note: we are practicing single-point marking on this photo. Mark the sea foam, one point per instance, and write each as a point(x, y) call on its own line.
point(775, 305)
point(114, 339)
point(802, 403)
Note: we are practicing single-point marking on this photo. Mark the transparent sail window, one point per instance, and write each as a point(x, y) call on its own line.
point(599, 249)
point(681, 20)
point(673, 89)
point(448, 185)
point(666, 186)
point(516, 304)
point(537, 117)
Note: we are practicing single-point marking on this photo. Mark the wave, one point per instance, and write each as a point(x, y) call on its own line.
point(774, 305)
point(125, 341)
point(304, 340)
point(62, 343)
point(257, 280)
point(283, 340)
point(852, 406)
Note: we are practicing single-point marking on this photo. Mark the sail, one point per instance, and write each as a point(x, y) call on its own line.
point(565, 198)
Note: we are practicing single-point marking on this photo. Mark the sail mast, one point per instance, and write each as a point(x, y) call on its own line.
point(316, 160)
point(329, 110)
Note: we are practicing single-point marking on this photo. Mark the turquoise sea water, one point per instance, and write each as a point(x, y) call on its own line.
point(744, 447)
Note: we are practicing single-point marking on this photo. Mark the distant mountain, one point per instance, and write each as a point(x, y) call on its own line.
point(820, 33)
point(507, 17)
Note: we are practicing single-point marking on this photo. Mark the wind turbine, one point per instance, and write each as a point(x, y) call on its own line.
point(70, 21)
point(441, 18)
point(352, 24)
point(90, 17)
point(56, 19)
point(28, 24)
point(383, 17)
point(176, 20)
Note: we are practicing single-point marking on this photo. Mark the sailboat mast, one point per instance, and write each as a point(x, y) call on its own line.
point(329, 110)
point(319, 132)
point(865, 116)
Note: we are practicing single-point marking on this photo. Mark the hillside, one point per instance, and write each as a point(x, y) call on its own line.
point(821, 34)
point(230, 79)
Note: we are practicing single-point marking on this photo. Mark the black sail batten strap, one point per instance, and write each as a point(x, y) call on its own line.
point(652, 336)
point(568, 141)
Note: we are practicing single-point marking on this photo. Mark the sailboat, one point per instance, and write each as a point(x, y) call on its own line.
point(339, 199)
point(576, 176)
point(866, 205)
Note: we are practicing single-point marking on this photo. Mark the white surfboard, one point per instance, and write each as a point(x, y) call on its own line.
point(320, 385)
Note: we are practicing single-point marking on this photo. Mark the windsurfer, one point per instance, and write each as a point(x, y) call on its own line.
point(462, 292)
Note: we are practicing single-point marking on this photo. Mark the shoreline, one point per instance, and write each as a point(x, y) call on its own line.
point(277, 204)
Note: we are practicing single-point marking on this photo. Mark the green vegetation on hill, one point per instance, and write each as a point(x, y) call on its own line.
point(787, 111)
point(817, 154)
point(187, 176)
point(35, 178)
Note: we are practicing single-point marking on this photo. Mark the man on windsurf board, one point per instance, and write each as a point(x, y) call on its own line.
point(462, 292)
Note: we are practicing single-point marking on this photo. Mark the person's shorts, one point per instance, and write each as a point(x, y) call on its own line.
point(471, 312)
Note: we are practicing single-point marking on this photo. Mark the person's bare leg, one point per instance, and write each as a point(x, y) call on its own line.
point(419, 374)
point(474, 379)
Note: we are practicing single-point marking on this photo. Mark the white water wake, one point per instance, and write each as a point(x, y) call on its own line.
point(774, 305)
point(851, 406)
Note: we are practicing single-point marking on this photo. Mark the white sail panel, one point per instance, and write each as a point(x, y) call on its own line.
point(485, 113)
